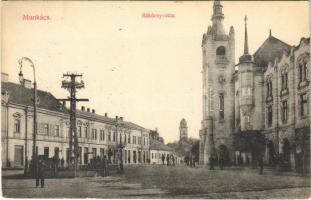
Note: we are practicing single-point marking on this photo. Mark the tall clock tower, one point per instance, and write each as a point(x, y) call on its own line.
point(218, 88)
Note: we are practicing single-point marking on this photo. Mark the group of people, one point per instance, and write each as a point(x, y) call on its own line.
point(101, 165)
point(189, 161)
point(221, 162)
point(170, 160)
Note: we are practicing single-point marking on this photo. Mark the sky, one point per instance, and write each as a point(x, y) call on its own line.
point(147, 70)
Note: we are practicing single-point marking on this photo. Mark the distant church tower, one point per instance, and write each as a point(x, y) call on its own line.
point(183, 129)
point(218, 52)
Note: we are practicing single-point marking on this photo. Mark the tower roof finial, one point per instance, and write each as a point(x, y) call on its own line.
point(246, 38)
point(270, 33)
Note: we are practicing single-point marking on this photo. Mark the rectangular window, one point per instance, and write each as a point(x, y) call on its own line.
point(221, 106)
point(269, 115)
point(46, 152)
point(95, 134)
point(94, 152)
point(114, 136)
point(17, 125)
point(79, 131)
point(46, 129)
point(57, 130)
point(85, 132)
point(303, 105)
point(102, 152)
point(129, 139)
point(56, 151)
point(18, 155)
point(109, 136)
point(284, 111)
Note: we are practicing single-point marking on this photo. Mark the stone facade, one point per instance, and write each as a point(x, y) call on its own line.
point(267, 92)
point(218, 91)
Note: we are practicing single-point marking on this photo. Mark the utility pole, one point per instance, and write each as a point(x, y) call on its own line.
point(72, 85)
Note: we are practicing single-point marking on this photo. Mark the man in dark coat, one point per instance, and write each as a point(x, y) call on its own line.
point(211, 162)
point(168, 160)
point(40, 172)
point(260, 163)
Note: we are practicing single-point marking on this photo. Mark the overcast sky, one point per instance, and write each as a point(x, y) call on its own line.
point(147, 70)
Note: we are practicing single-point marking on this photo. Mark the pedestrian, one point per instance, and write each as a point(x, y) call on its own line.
point(260, 163)
point(211, 162)
point(221, 164)
point(173, 159)
point(40, 172)
point(163, 159)
point(106, 166)
point(62, 162)
point(26, 167)
point(167, 160)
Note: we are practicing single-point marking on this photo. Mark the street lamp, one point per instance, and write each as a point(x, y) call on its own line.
point(21, 80)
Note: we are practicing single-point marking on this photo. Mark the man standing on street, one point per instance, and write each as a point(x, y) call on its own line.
point(211, 162)
point(260, 163)
point(163, 158)
point(40, 172)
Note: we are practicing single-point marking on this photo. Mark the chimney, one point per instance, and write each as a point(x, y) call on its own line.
point(27, 83)
point(88, 109)
point(4, 77)
point(117, 117)
point(121, 118)
point(106, 115)
point(93, 111)
point(82, 108)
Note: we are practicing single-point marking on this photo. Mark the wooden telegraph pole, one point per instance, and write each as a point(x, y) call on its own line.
point(72, 85)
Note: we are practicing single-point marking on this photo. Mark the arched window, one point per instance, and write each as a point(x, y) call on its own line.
point(221, 51)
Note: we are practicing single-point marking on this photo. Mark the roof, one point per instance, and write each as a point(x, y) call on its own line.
point(269, 50)
point(183, 123)
point(109, 120)
point(21, 95)
point(156, 145)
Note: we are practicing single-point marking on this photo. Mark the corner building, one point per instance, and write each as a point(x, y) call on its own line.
point(98, 135)
point(266, 93)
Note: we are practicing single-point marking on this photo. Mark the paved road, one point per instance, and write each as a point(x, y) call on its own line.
point(120, 187)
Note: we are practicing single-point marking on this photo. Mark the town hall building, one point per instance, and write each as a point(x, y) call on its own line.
point(264, 96)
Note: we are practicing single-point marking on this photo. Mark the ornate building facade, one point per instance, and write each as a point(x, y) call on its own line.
point(266, 93)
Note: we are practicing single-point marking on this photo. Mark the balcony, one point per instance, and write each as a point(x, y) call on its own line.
point(221, 59)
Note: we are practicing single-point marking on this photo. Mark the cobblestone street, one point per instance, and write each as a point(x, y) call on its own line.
point(165, 182)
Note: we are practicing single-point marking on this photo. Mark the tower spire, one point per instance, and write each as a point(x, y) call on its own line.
point(217, 18)
point(246, 38)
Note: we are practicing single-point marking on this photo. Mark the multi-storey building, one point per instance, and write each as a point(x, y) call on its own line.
point(97, 135)
point(267, 93)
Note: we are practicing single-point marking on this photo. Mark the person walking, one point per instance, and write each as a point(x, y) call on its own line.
point(211, 162)
point(173, 159)
point(40, 172)
point(260, 163)
point(167, 160)
point(106, 166)
point(62, 162)
point(163, 159)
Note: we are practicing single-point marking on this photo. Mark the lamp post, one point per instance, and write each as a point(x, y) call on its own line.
point(21, 80)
